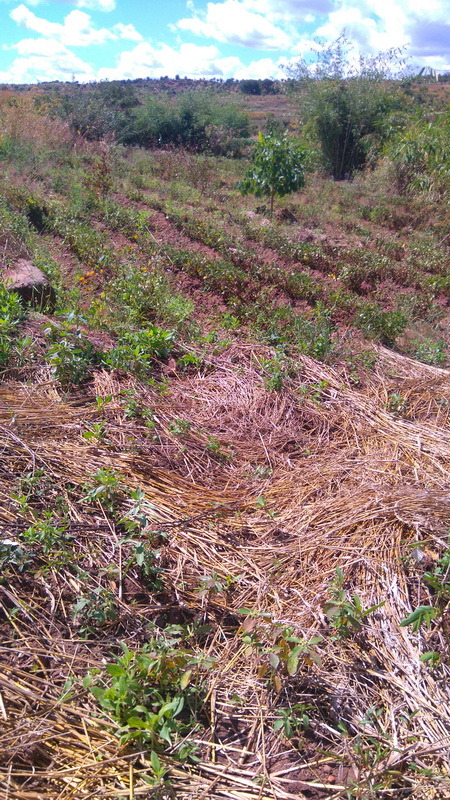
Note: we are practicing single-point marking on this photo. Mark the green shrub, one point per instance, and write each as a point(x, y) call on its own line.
point(137, 351)
point(430, 352)
point(383, 326)
point(190, 120)
point(70, 354)
point(278, 168)
point(146, 690)
point(420, 156)
point(348, 103)
point(11, 314)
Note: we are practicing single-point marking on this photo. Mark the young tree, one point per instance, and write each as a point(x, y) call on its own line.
point(349, 103)
point(278, 168)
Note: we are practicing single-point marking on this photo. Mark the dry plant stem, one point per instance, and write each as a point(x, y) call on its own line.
point(351, 485)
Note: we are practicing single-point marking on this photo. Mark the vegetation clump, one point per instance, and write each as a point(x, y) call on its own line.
point(278, 168)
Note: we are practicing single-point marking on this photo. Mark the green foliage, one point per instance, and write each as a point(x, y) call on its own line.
point(279, 326)
point(438, 581)
point(146, 294)
point(430, 352)
point(49, 533)
point(95, 610)
point(292, 720)
point(105, 488)
point(151, 693)
point(349, 109)
point(190, 120)
point(423, 615)
point(383, 326)
point(70, 354)
point(420, 156)
point(345, 614)
point(278, 168)
point(11, 314)
point(138, 350)
point(98, 110)
point(13, 554)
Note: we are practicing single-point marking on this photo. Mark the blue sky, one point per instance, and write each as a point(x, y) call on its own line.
point(107, 39)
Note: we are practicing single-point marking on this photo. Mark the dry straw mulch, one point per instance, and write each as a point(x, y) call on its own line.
point(269, 492)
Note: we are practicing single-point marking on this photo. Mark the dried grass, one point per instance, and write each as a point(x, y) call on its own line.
point(298, 487)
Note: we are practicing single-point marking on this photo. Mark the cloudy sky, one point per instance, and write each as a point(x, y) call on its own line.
point(105, 39)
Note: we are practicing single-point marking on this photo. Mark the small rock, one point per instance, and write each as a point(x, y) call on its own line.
point(31, 284)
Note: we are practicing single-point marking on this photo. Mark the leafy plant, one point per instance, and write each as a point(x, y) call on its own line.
point(51, 534)
point(104, 487)
point(423, 615)
point(278, 168)
point(13, 554)
point(95, 610)
point(151, 693)
point(346, 614)
point(292, 720)
point(11, 314)
point(348, 103)
point(420, 155)
point(430, 352)
point(138, 350)
point(70, 354)
point(384, 326)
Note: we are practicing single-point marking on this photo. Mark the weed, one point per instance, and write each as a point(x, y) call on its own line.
point(147, 560)
point(346, 615)
point(314, 391)
point(70, 354)
point(381, 325)
point(11, 314)
point(180, 426)
point(151, 693)
point(137, 350)
point(396, 403)
point(94, 610)
point(301, 286)
point(293, 720)
point(13, 554)
point(49, 533)
point(96, 432)
point(430, 352)
point(105, 488)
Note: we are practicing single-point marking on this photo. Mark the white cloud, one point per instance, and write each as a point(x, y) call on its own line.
point(97, 5)
point(190, 59)
point(76, 31)
point(236, 22)
point(45, 60)
point(127, 32)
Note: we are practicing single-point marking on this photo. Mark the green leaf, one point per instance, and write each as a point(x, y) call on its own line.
point(137, 722)
point(274, 660)
point(420, 613)
point(185, 679)
point(115, 670)
point(292, 665)
point(155, 762)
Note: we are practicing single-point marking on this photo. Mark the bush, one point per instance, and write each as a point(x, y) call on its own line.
point(420, 156)
point(384, 326)
point(137, 350)
point(278, 168)
point(189, 121)
point(349, 110)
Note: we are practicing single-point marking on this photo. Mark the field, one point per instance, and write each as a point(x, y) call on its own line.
point(224, 527)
